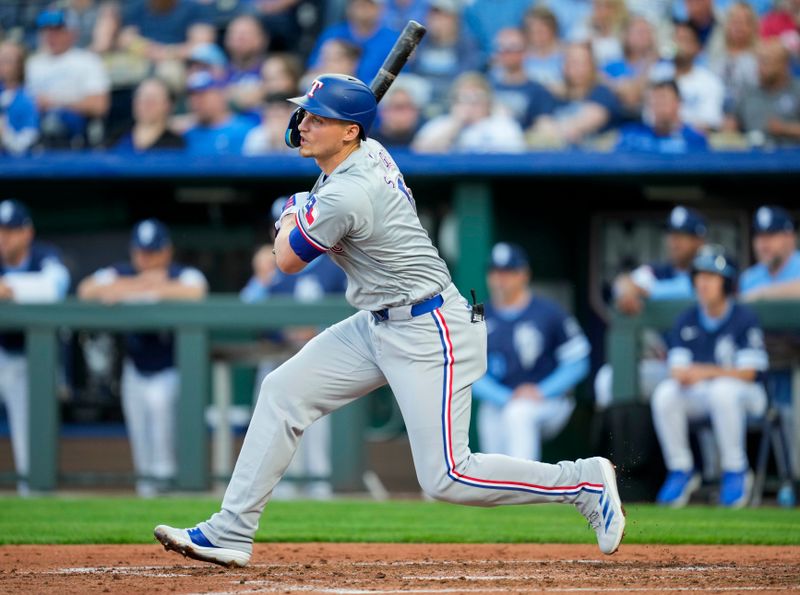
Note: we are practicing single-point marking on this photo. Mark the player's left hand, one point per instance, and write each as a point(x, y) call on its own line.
point(292, 205)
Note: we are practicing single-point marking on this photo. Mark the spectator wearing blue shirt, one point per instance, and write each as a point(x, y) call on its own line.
point(152, 107)
point(716, 358)
point(704, 18)
point(30, 272)
point(160, 24)
point(523, 98)
point(544, 61)
point(484, 18)
point(629, 76)
point(19, 119)
point(536, 355)
point(686, 230)
point(586, 108)
point(246, 43)
point(399, 12)
point(399, 113)
point(446, 52)
point(218, 131)
point(571, 15)
point(666, 133)
point(362, 27)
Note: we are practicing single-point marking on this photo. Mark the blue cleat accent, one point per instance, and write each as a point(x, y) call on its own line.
point(735, 488)
point(193, 544)
point(678, 488)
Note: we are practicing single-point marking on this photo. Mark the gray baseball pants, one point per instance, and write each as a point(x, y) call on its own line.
point(430, 362)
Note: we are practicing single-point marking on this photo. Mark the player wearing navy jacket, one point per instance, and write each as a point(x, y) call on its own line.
point(716, 357)
point(536, 355)
point(149, 378)
point(686, 231)
point(29, 272)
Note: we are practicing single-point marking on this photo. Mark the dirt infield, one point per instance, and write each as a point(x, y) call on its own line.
point(406, 568)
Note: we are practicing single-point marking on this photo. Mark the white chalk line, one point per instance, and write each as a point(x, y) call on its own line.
point(470, 562)
point(285, 588)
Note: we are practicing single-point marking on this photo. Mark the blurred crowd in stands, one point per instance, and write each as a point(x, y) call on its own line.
point(211, 77)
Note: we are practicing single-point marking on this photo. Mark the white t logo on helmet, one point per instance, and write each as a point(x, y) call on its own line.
point(314, 86)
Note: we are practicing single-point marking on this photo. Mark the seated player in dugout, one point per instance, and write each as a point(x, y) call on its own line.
point(150, 380)
point(537, 353)
point(717, 360)
point(686, 231)
point(776, 276)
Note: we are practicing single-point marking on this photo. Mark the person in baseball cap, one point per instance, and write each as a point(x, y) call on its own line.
point(30, 271)
point(536, 354)
point(150, 235)
point(776, 275)
point(508, 257)
point(685, 233)
point(716, 360)
point(150, 381)
point(14, 214)
point(207, 57)
point(687, 221)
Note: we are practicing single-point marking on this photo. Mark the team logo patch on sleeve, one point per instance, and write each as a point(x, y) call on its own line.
point(310, 210)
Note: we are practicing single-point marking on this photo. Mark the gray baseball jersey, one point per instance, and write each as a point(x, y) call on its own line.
point(364, 216)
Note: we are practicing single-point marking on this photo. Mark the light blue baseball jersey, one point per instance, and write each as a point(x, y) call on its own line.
point(758, 275)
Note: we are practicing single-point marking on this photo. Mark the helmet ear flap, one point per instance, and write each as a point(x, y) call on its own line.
point(292, 136)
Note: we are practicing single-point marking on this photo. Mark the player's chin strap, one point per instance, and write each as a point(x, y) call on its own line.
point(292, 136)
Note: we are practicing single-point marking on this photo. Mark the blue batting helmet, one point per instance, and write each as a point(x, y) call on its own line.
point(712, 258)
point(335, 96)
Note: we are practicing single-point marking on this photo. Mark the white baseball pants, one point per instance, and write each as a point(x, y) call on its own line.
point(14, 392)
point(149, 402)
point(726, 401)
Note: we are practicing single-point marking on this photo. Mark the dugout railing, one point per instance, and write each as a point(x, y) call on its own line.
point(192, 323)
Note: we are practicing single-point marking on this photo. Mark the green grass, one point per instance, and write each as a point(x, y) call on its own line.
point(125, 520)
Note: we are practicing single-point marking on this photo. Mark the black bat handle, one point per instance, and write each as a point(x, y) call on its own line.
point(408, 40)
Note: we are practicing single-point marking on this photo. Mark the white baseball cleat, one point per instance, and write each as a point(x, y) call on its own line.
point(193, 544)
point(605, 514)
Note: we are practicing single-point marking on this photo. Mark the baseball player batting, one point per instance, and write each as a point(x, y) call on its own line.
point(413, 331)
